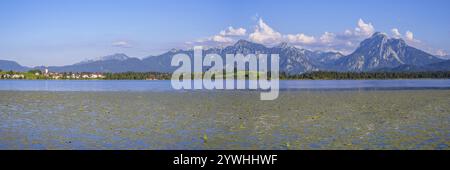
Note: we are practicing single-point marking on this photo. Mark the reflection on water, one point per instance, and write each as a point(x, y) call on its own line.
point(383, 119)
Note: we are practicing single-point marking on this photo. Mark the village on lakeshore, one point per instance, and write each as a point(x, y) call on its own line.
point(45, 74)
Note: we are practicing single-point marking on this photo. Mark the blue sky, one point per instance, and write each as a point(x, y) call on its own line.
point(59, 32)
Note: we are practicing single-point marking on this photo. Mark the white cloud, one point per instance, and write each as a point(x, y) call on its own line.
point(327, 37)
point(409, 35)
point(411, 40)
point(396, 33)
point(300, 38)
point(348, 32)
point(364, 29)
point(344, 42)
point(222, 39)
point(123, 44)
point(264, 34)
point(230, 31)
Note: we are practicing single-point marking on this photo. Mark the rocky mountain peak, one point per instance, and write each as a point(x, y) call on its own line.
point(283, 45)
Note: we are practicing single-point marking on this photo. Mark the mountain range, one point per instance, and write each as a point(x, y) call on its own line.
point(12, 65)
point(377, 53)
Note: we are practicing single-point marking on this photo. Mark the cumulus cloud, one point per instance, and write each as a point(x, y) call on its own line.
point(411, 40)
point(264, 34)
point(409, 36)
point(222, 39)
point(396, 33)
point(230, 31)
point(327, 37)
point(123, 44)
point(300, 38)
point(362, 29)
point(344, 42)
point(267, 35)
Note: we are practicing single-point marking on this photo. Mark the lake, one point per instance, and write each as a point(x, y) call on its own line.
point(320, 114)
point(164, 85)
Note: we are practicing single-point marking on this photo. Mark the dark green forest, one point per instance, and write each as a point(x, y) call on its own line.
point(323, 75)
point(320, 75)
point(137, 76)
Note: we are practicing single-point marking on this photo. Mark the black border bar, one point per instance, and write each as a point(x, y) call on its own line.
point(285, 159)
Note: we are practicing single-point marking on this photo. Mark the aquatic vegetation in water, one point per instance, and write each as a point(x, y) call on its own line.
point(205, 138)
point(384, 119)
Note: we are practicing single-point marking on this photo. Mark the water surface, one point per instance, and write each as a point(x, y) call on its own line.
point(165, 85)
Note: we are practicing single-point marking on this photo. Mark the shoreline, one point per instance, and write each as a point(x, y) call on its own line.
point(227, 79)
point(241, 91)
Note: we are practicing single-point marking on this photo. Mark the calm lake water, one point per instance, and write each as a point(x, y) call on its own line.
point(165, 85)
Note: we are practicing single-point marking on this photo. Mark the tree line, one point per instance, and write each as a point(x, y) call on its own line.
point(318, 75)
point(330, 75)
point(138, 76)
